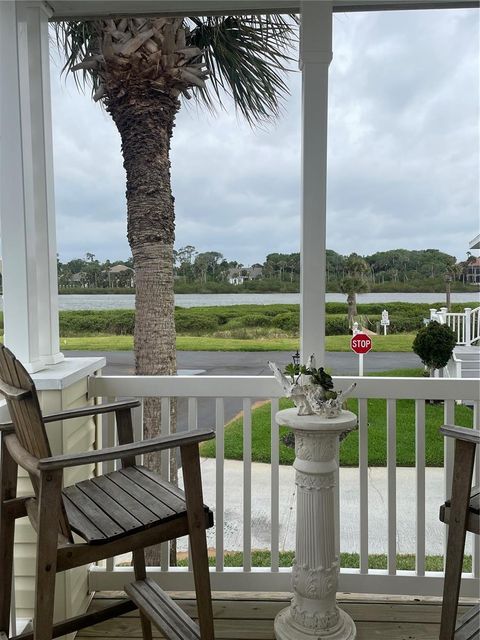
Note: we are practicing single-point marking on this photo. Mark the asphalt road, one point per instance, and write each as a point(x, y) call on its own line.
point(240, 363)
point(243, 363)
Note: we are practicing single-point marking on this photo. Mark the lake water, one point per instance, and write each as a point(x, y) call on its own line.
point(220, 299)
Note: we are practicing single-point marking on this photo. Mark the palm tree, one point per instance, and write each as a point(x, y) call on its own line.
point(354, 281)
point(139, 69)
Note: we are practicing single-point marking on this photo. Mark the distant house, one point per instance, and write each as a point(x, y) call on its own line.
point(121, 275)
point(255, 272)
point(472, 271)
point(79, 279)
point(238, 275)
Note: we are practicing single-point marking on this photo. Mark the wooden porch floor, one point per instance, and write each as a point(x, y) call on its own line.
point(241, 616)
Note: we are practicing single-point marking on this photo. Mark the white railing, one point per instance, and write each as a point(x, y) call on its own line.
point(466, 325)
point(453, 368)
point(222, 390)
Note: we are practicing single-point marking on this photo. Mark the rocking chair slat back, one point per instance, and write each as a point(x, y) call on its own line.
point(26, 416)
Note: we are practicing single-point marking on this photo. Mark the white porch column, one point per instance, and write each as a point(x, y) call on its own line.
point(26, 186)
point(315, 58)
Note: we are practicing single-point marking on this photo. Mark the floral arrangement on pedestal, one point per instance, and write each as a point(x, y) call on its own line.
point(310, 388)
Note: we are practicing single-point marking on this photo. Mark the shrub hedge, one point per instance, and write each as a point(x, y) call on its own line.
point(404, 317)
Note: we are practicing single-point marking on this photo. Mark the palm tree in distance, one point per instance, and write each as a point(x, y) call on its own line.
point(354, 281)
point(139, 69)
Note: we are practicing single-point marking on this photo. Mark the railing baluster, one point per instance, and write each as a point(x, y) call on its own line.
point(363, 472)
point(219, 489)
point(392, 486)
point(108, 437)
point(247, 484)
point(275, 496)
point(420, 485)
point(448, 453)
point(192, 423)
point(165, 471)
point(109, 440)
point(476, 482)
point(137, 421)
point(192, 413)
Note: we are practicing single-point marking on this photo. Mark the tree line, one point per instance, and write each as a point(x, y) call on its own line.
point(195, 267)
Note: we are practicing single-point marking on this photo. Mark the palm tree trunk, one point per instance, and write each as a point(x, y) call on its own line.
point(145, 121)
point(352, 307)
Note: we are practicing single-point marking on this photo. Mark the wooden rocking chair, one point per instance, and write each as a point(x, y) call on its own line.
point(138, 509)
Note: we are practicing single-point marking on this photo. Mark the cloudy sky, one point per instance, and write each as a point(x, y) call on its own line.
point(403, 153)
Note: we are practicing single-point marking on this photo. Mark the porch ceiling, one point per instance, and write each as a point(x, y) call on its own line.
point(89, 9)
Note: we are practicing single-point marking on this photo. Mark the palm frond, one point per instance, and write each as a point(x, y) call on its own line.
point(78, 40)
point(247, 58)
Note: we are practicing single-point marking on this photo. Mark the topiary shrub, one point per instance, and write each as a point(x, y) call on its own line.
point(434, 345)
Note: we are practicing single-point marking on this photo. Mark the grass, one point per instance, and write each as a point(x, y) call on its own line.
point(394, 343)
point(405, 562)
point(377, 433)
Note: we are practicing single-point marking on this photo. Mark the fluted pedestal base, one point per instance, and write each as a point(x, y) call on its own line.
point(287, 629)
point(313, 613)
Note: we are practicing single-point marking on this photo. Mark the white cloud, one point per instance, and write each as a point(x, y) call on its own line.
point(403, 153)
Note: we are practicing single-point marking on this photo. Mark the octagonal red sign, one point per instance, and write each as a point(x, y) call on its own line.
point(361, 343)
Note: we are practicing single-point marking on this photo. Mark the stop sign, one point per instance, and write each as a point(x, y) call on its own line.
point(361, 343)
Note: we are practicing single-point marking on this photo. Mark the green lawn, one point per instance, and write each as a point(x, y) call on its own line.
point(397, 342)
point(405, 562)
point(377, 434)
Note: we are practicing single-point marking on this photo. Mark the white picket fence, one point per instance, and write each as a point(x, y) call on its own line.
point(111, 576)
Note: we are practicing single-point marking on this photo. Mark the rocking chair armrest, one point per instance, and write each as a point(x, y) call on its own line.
point(461, 433)
point(122, 451)
point(81, 412)
point(91, 410)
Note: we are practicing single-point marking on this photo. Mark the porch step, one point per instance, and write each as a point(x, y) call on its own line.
point(163, 612)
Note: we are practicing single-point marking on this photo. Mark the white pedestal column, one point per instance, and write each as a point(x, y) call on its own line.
point(313, 612)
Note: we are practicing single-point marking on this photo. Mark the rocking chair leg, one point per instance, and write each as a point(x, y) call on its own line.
point(141, 574)
point(462, 480)
point(198, 541)
point(8, 490)
point(48, 525)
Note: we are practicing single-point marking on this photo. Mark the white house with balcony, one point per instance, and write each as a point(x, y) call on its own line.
point(32, 333)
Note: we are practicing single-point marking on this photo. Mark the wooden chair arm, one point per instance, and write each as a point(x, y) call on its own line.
point(91, 410)
point(122, 451)
point(21, 456)
point(461, 433)
point(81, 412)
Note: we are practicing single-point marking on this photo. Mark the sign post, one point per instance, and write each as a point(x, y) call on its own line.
point(385, 321)
point(360, 344)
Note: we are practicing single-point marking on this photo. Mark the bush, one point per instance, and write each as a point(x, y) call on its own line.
point(289, 322)
point(336, 326)
point(257, 320)
point(195, 324)
point(112, 321)
point(405, 324)
point(434, 345)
